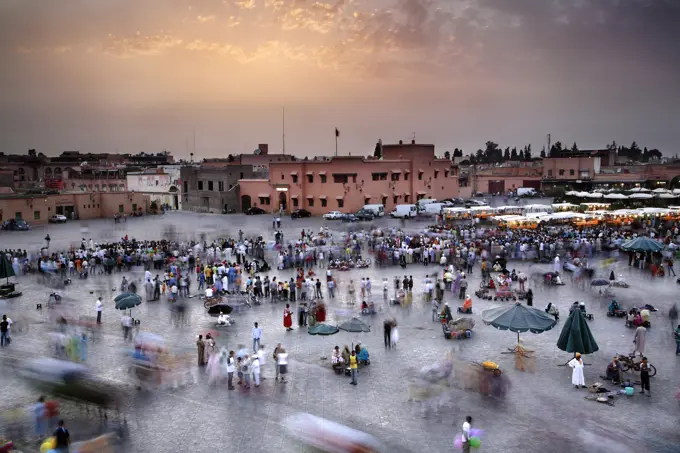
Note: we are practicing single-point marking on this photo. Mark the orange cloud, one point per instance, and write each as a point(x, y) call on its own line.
point(140, 45)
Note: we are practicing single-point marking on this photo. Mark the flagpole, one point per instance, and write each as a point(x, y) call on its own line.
point(337, 134)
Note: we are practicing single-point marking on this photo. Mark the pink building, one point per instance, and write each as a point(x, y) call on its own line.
point(406, 173)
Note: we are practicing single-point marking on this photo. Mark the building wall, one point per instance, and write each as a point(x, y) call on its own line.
point(160, 187)
point(37, 210)
point(301, 184)
point(207, 199)
point(570, 168)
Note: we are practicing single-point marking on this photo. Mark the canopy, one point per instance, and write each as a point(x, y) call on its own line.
point(595, 195)
point(127, 301)
point(355, 325)
point(667, 195)
point(660, 190)
point(518, 318)
point(642, 244)
point(641, 195)
point(6, 270)
point(576, 336)
point(639, 189)
point(616, 196)
point(219, 309)
point(322, 329)
point(600, 282)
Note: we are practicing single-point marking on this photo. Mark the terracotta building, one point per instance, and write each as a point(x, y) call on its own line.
point(406, 173)
point(212, 188)
point(37, 209)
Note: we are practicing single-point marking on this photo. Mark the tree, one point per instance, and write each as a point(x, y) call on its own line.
point(457, 152)
point(521, 155)
point(493, 153)
point(32, 152)
point(612, 146)
point(513, 154)
point(556, 148)
point(655, 154)
point(479, 156)
point(574, 148)
point(506, 154)
point(527, 152)
point(473, 160)
point(447, 155)
point(543, 153)
point(230, 158)
point(377, 152)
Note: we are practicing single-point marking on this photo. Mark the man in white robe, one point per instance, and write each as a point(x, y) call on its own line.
point(577, 378)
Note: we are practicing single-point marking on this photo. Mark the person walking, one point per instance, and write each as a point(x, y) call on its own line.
point(353, 366)
point(231, 367)
point(4, 331)
point(282, 361)
point(639, 340)
point(275, 356)
point(387, 333)
point(62, 438)
point(467, 425)
point(257, 336)
point(676, 334)
point(255, 365)
point(577, 374)
point(288, 318)
point(99, 307)
point(200, 348)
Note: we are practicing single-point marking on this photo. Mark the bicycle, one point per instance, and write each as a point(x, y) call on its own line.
point(629, 362)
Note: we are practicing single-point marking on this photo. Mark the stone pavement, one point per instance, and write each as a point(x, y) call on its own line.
point(542, 412)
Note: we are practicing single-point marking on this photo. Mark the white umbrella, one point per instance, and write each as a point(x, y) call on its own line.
point(594, 195)
point(639, 189)
point(641, 195)
point(582, 194)
point(660, 190)
point(676, 191)
point(616, 196)
point(572, 193)
point(667, 195)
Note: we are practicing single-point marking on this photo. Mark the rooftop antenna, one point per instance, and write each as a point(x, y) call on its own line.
point(283, 131)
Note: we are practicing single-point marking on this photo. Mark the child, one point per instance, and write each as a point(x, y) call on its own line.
point(163, 288)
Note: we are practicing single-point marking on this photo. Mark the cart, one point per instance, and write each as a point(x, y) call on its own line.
point(504, 293)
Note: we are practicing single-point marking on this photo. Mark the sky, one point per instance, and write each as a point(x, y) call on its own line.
point(150, 75)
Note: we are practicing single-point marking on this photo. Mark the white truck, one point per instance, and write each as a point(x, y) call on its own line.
point(526, 192)
point(404, 211)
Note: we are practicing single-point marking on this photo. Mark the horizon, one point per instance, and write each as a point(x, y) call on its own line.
point(132, 77)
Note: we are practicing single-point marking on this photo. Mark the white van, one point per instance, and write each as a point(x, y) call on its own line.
point(404, 211)
point(432, 209)
point(424, 202)
point(378, 210)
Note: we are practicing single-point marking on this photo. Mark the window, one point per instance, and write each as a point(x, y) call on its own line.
point(156, 182)
point(395, 176)
point(550, 173)
point(220, 186)
point(561, 172)
point(264, 200)
point(200, 185)
point(282, 177)
point(310, 202)
point(210, 186)
point(241, 175)
point(134, 207)
point(396, 199)
point(231, 186)
point(186, 198)
point(324, 203)
point(420, 196)
point(121, 208)
point(436, 174)
point(354, 178)
point(294, 179)
point(341, 203)
point(406, 176)
point(446, 173)
point(36, 215)
point(571, 172)
point(407, 198)
point(96, 187)
point(379, 176)
point(367, 201)
point(420, 176)
point(17, 216)
point(186, 186)
point(295, 202)
point(323, 179)
point(310, 178)
point(340, 179)
point(384, 201)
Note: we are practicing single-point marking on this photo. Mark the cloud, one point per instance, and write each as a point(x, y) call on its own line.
point(140, 45)
point(205, 19)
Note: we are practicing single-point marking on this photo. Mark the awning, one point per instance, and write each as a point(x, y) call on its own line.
point(339, 197)
point(421, 192)
point(396, 171)
point(323, 197)
point(312, 196)
point(310, 173)
point(295, 196)
point(263, 195)
point(384, 194)
point(322, 172)
point(293, 173)
point(420, 170)
point(396, 194)
point(367, 195)
point(407, 194)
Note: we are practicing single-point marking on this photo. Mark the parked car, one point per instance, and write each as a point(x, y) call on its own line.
point(254, 211)
point(349, 218)
point(15, 225)
point(333, 215)
point(58, 218)
point(364, 214)
point(300, 214)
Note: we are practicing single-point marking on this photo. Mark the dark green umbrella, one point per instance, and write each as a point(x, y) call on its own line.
point(576, 336)
point(642, 244)
point(6, 269)
point(355, 325)
point(127, 301)
point(322, 329)
point(518, 318)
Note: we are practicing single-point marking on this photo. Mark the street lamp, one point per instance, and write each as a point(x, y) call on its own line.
point(192, 157)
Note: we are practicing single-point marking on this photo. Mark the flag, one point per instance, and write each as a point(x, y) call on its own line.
point(337, 132)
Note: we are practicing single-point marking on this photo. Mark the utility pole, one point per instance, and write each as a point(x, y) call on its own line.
point(549, 145)
point(283, 130)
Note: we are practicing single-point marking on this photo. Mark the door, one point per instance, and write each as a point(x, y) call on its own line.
point(497, 186)
point(532, 183)
point(175, 202)
point(60, 210)
point(246, 202)
point(283, 205)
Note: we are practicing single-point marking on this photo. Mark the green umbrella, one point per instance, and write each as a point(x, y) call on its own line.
point(642, 244)
point(518, 318)
point(6, 269)
point(323, 329)
point(576, 336)
point(127, 301)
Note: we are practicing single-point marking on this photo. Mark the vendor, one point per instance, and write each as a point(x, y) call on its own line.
point(552, 310)
point(614, 371)
point(208, 292)
point(336, 357)
point(467, 305)
point(613, 306)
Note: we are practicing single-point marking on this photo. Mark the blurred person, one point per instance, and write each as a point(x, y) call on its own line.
point(62, 438)
point(387, 333)
point(99, 307)
point(644, 377)
point(353, 366)
point(231, 367)
point(4, 331)
point(255, 365)
point(200, 346)
point(282, 362)
point(467, 425)
point(577, 378)
point(245, 370)
point(262, 358)
point(40, 417)
point(287, 318)
point(257, 336)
